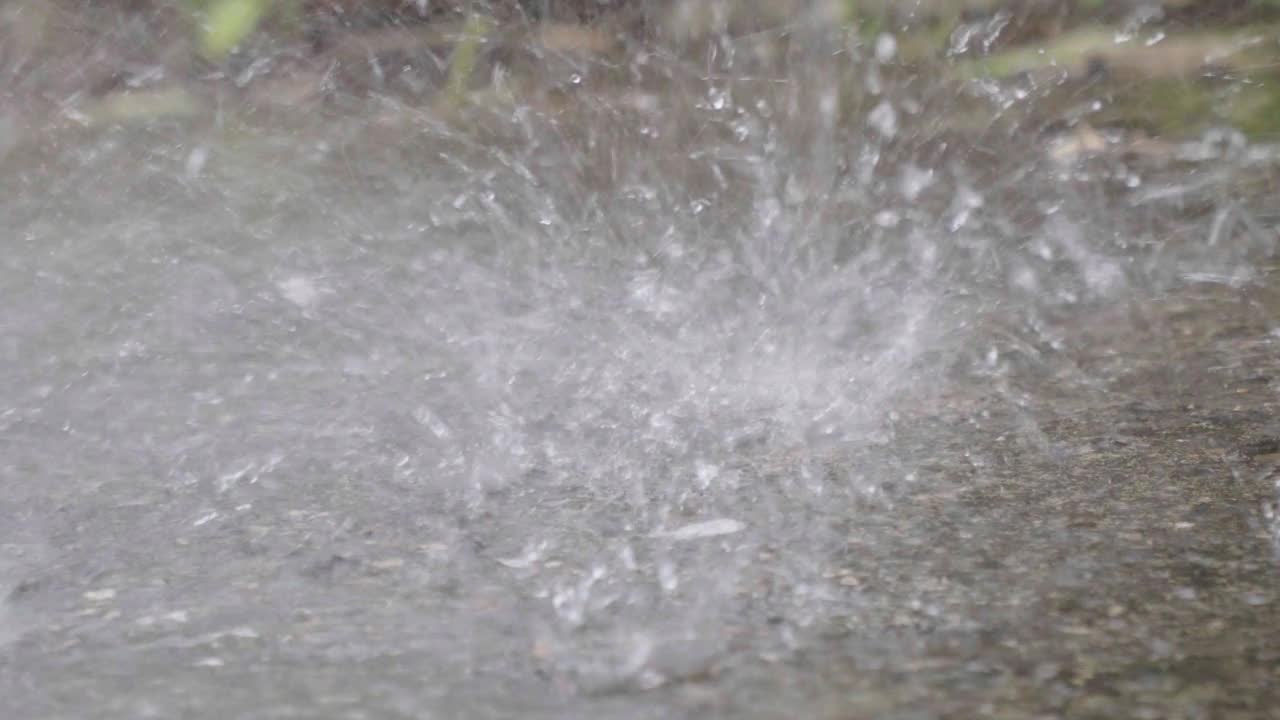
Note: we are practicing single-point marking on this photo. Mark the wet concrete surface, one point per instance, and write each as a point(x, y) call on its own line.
point(1117, 560)
point(1084, 537)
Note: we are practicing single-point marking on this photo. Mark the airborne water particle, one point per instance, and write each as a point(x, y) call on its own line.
point(884, 120)
point(299, 290)
point(705, 529)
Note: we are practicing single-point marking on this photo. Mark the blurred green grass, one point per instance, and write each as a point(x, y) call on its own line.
point(224, 24)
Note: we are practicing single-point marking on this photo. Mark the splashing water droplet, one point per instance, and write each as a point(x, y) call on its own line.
point(705, 529)
point(886, 48)
point(884, 119)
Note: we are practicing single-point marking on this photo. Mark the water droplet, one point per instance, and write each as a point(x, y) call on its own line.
point(887, 219)
point(300, 291)
point(884, 120)
point(196, 161)
point(914, 180)
point(668, 578)
point(886, 47)
point(705, 529)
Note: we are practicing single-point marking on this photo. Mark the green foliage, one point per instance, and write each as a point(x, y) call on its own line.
point(226, 23)
point(1164, 106)
point(464, 58)
point(868, 22)
point(1256, 109)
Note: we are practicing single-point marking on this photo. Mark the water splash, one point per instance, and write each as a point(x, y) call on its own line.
point(617, 357)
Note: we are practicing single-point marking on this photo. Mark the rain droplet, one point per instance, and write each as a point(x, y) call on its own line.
point(884, 120)
point(705, 529)
point(298, 290)
point(196, 161)
point(886, 47)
